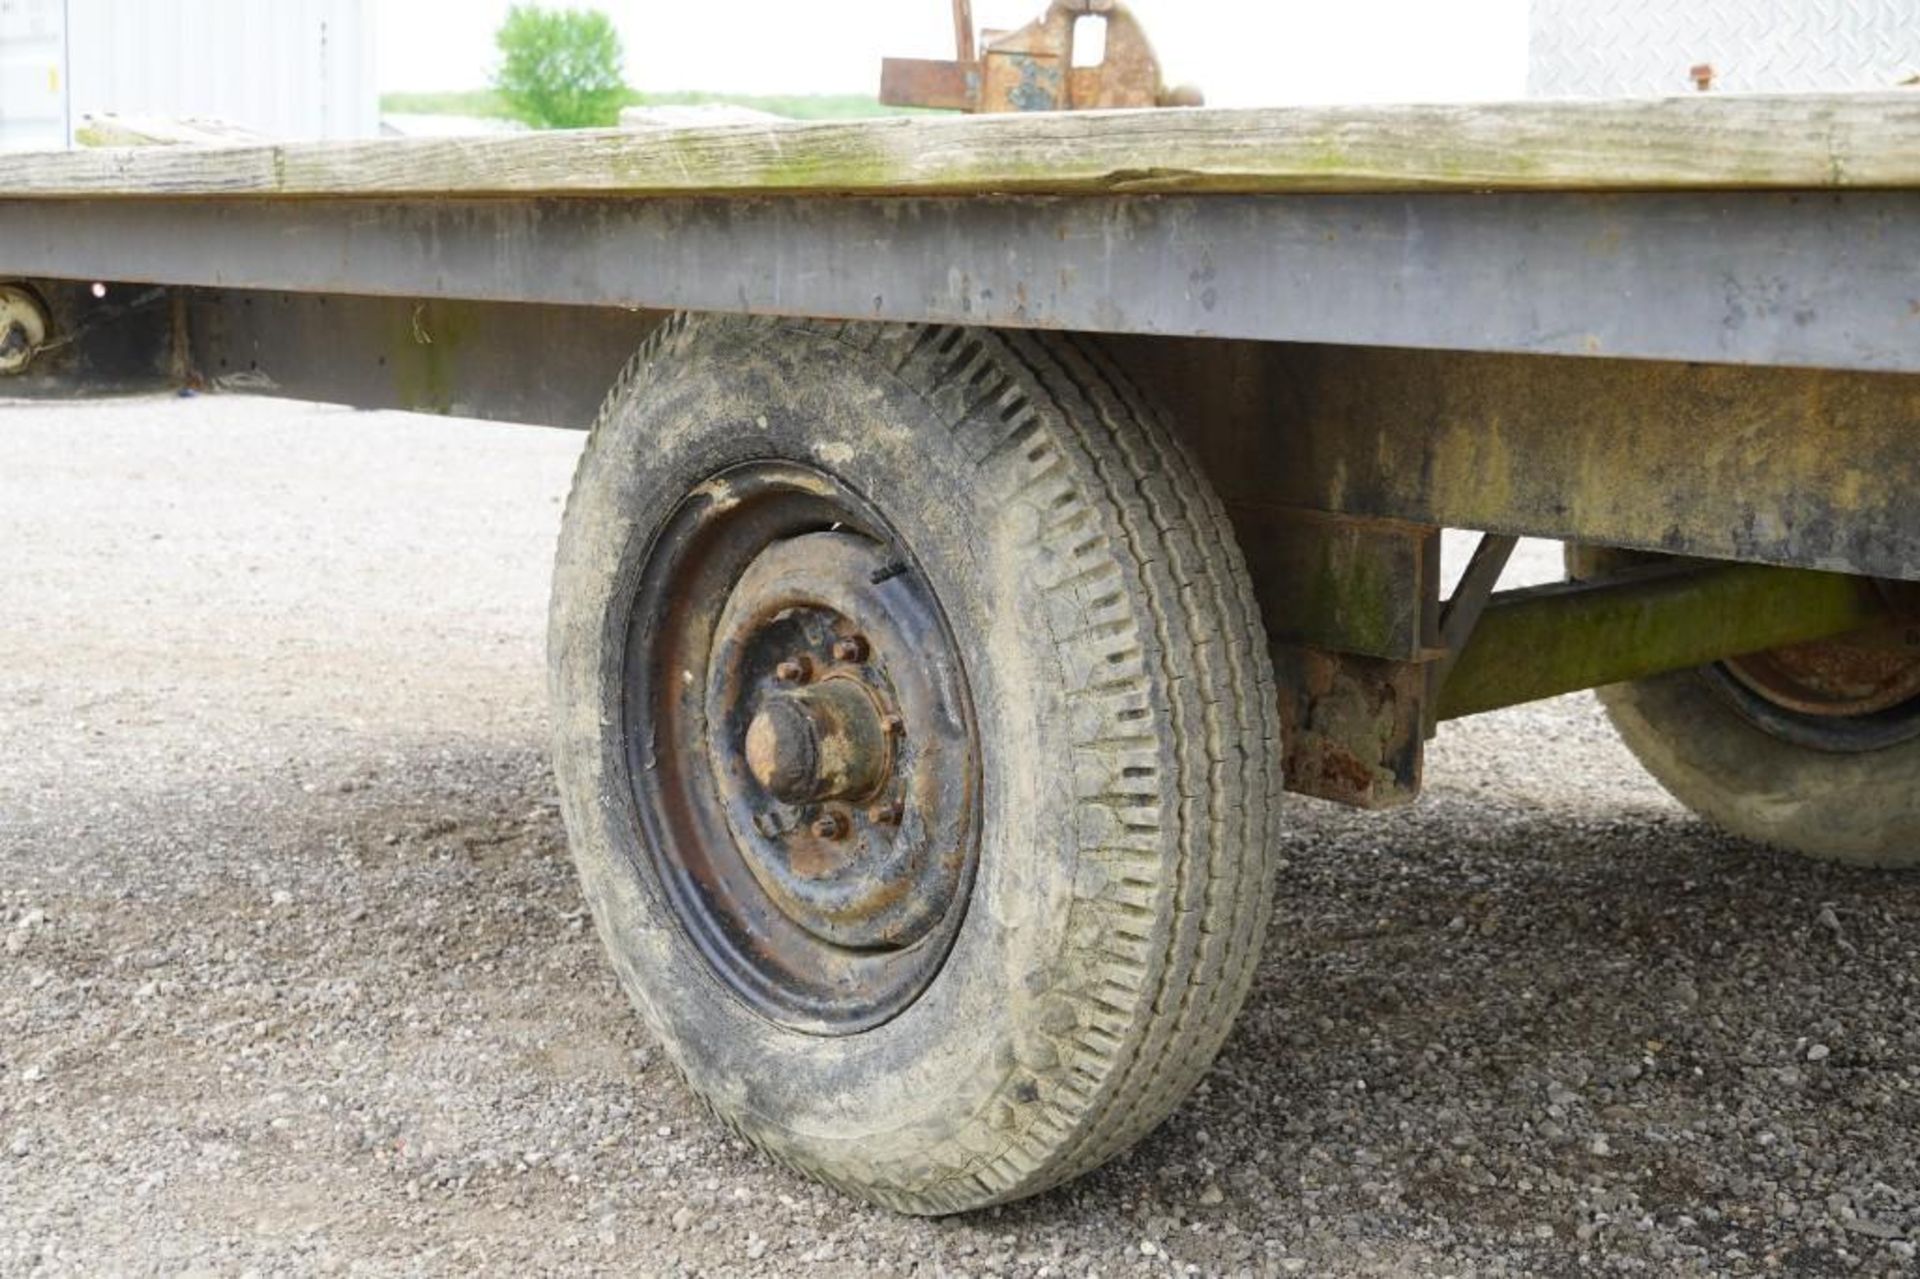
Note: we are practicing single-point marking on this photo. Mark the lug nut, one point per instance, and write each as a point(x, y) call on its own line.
point(830, 826)
point(795, 670)
point(886, 813)
point(851, 649)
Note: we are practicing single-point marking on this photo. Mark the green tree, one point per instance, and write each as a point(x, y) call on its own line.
point(560, 68)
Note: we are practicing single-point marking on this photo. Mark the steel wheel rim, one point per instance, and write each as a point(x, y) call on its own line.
point(823, 879)
point(1830, 695)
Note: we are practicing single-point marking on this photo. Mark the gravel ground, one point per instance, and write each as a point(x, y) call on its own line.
point(294, 977)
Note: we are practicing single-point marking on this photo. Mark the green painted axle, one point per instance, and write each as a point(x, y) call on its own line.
point(1549, 640)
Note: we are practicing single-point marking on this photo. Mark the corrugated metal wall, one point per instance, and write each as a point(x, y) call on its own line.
point(285, 68)
point(33, 73)
point(1615, 48)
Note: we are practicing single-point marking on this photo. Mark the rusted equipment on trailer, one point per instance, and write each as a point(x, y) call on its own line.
point(1034, 68)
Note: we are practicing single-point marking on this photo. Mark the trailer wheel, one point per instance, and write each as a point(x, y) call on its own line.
point(916, 739)
point(1814, 749)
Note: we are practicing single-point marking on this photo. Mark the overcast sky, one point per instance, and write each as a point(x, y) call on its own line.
point(1241, 52)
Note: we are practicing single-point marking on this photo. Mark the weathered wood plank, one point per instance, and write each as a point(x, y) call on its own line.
point(1780, 142)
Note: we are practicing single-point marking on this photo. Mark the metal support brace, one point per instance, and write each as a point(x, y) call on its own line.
point(1547, 640)
point(1463, 610)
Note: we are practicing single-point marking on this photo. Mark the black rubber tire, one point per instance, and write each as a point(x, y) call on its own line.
point(1861, 808)
point(1127, 720)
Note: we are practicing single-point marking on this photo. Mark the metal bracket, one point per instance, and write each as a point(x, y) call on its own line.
point(1463, 610)
point(1362, 647)
point(1351, 726)
point(1352, 607)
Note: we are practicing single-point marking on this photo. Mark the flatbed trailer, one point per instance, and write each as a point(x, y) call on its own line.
point(988, 516)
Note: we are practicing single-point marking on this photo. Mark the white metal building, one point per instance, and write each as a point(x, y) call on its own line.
point(284, 68)
point(1618, 48)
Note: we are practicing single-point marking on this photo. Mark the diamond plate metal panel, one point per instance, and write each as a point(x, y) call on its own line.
point(1616, 48)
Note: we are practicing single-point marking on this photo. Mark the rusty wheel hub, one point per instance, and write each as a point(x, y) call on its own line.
point(831, 746)
point(1831, 679)
point(1856, 693)
point(821, 744)
point(802, 748)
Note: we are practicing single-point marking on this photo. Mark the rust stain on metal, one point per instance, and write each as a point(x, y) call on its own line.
point(1032, 69)
point(1353, 726)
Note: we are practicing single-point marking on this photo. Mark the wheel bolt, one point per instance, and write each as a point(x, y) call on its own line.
point(851, 649)
point(795, 670)
point(830, 826)
point(886, 813)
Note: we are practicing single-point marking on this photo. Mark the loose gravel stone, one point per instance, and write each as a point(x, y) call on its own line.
point(295, 979)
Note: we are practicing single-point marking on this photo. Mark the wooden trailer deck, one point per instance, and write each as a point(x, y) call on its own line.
point(1786, 142)
point(1676, 228)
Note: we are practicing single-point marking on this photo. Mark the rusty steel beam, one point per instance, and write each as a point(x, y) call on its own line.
point(1464, 609)
point(1798, 467)
point(1547, 640)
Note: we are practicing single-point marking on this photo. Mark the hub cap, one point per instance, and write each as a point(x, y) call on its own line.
point(802, 748)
